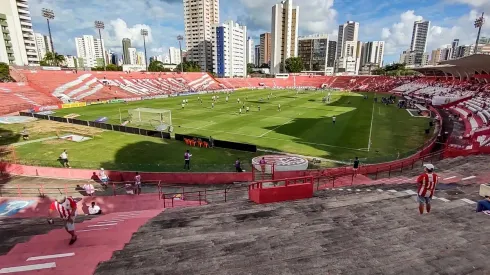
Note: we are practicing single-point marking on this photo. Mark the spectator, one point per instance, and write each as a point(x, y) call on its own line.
point(137, 184)
point(67, 210)
point(356, 166)
point(262, 163)
point(483, 205)
point(104, 179)
point(94, 209)
point(333, 120)
point(89, 188)
point(427, 185)
point(64, 159)
point(238, 165)
point(25, 134)
point(187, 160)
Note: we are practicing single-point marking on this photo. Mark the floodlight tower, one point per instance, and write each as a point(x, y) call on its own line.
point(479, 22)
point(180, 38)
point(49, 15)
point(99, 25)
point(144, 33)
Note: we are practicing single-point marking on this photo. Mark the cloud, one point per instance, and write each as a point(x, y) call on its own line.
point(481, 4)
point(119, 29)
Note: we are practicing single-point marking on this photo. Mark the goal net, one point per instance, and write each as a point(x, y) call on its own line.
point(160, 119)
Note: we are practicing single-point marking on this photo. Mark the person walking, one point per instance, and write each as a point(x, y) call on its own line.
point(238, 165)
point(355, 166)
point(187, 160)
point(137, 184)
point(66, 208)
point(427, 185)
point(64, 159)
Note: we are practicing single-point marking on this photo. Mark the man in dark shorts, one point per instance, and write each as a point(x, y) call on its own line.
point(356, 166)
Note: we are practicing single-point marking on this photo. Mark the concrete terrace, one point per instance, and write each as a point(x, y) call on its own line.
point(369, 230)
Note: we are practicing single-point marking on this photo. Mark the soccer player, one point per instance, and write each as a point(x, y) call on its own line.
point(183, 105)
point(212, 105)
point(279, 107)
point(183, 101)
point(227, 99)
point(268, 97)
point(248, 109)
point(258, 107)
point(427, 185)
point(238, 100)
point(67, 210)
point(240, 111)
point(333, 120)
point(64, 159)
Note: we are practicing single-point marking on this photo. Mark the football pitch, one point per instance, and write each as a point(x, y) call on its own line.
point(303, 125)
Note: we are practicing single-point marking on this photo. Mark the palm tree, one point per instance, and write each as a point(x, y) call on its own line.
point(54, 59)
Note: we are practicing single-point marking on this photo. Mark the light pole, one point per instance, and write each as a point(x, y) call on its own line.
point(478, 24)
point(144, 33)
point(49, 14)
point(180, 38)
point(99, 25)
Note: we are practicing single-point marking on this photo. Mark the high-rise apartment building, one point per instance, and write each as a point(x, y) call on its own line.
point(265, 48)
point(435, 57)
point(454, 46)
point(91, 50)
point(313, 50)
point(464, 50)
point(43, 45)
point(419, 40)
point(133, 56)
point(140, 59)
point(257, 56)
point(332, 51)
point(229, 46)
point(174, 55)
point(126, 44)
point(372, 53)
point(284, 34)
point(199, 18)
point(348, 54)
point(250, 51)
point(17, 41)
point(114, 58)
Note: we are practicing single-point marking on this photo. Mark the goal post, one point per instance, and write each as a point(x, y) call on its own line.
point(159, 118)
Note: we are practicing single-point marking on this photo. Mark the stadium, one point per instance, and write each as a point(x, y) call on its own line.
point(297, 173)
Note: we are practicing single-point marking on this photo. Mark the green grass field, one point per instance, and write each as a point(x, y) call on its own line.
point(303, 126)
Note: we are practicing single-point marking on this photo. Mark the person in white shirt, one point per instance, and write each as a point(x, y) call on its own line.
point(104, 179)
point(64, 159)
point(89, 188)
point(137, 184)
point(94, 209)
point(334, 119)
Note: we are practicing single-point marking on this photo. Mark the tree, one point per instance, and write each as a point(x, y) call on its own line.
point(189, 67)
point(157, 66)
point(5, 73)
point(250, 67)
point(113, 67)
point(53, 59)
point(293, 65)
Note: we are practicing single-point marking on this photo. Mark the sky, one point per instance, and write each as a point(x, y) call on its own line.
point(390, 21)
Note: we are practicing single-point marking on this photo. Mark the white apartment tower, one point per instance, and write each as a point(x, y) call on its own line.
point(199, 18)
point(348, 54)
point(174, 54)
point(91, 50)
point(284, 34)
point(229, 50)
point(419, 40)
point(373, 53)
point(250, 51)
point(43, 45)
point(133, 56)
point(17, 41)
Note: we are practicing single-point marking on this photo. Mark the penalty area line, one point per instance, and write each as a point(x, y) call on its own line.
point(371, 127)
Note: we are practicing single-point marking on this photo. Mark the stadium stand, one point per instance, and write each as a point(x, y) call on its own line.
point(19, 96)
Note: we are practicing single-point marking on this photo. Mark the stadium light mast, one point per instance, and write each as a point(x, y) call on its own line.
point(479, 22)
point(144, 33)
point(49, 15)
point(99, 25)
point(180, 38)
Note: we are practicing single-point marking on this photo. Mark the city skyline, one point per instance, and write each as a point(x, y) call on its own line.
point(449, 19)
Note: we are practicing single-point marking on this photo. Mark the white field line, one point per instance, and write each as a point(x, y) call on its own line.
point(24, 268)
point(448, 178)
point(53, 256)
point(468, 201)
point(468, 178)
point(371, 127)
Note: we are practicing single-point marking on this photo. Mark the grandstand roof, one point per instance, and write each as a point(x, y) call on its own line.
point(462, 67)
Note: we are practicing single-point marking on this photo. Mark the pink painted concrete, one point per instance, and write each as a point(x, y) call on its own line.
point(169, 178)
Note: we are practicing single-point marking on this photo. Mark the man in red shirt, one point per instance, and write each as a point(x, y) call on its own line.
point(66, 208)
point(427, 185)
